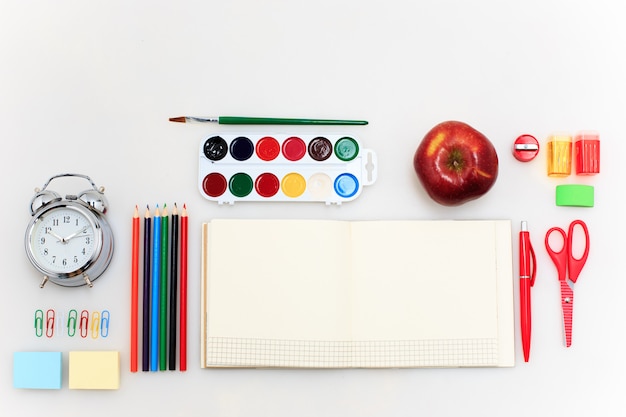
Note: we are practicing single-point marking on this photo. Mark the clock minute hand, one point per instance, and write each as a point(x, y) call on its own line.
point(73, 235)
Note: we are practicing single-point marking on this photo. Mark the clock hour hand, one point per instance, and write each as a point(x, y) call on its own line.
point(59, 238)
point(73, 235)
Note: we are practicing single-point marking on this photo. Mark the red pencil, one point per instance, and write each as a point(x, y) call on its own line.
point(134, 314)
point(183, 288)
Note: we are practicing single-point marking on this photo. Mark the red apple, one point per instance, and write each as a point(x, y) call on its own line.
point(455, 163)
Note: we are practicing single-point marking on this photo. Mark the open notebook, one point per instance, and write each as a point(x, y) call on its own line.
point(357, 294)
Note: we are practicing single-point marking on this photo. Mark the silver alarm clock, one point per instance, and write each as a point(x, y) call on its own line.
point(69, 239)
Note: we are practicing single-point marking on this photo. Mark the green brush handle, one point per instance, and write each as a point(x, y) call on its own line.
point(236, 120)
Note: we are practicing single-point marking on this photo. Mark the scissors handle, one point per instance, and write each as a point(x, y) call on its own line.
point(564, 259)
point(560, 257)
point(575, 265)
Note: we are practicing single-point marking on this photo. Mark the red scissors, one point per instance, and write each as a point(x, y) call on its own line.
point(568, 266)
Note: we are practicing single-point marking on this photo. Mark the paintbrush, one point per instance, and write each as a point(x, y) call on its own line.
point(236, 120)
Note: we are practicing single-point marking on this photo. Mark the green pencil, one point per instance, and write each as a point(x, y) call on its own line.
point(236, 120)
point(163, 295)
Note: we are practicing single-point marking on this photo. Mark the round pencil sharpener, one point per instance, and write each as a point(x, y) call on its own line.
point(525, 148)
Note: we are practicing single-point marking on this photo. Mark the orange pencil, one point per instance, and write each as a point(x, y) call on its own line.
point(183, 288)
point(134, 310)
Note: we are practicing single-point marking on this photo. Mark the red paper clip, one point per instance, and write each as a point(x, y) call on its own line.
point(84, 323)
point(50, 323)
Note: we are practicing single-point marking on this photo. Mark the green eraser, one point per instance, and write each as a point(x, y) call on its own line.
point(577, 195)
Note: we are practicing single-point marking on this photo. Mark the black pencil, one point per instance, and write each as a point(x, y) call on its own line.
point(173, 287)
point(147, 261)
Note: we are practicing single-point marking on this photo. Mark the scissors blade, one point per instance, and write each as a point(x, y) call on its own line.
point(567, 304)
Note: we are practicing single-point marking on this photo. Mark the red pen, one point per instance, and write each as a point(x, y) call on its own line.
point(526, 281)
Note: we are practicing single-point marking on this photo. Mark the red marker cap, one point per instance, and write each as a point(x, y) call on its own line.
point(525, 148)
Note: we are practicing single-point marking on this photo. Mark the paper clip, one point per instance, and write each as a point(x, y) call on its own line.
point(95, 324)
point(104, 323)
point(58, 323)
point(50, 323)
point(71, 322)
point(84, 323)
point(38, 323)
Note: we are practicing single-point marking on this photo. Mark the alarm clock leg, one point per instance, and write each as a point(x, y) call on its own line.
point(87, 280)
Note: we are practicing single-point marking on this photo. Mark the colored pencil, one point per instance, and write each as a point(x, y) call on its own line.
point(154, 302)
point(163, 293)
point(173, 288)
point(134, 307)
point(238, 120)
point(147, 236)
point(183, 288)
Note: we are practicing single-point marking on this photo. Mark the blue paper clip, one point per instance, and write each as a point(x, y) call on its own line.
point(39, 323)
point(84, 323)
point(104, 323)
point(71, 322)
point(95, 324)
point(50, 323)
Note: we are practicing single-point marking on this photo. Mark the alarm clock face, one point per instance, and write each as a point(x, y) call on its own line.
point(63, 240)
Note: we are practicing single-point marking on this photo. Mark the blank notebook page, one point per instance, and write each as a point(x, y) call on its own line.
point(426, 293)
point(310, 293)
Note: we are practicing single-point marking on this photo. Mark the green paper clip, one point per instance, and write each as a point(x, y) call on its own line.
point(71, 322)
point(39, 323)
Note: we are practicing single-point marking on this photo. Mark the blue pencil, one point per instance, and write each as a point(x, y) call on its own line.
point(156, 277)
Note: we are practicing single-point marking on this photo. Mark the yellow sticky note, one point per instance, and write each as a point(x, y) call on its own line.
point(94, 370)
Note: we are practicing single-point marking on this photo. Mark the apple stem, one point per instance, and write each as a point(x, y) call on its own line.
point(455, 160)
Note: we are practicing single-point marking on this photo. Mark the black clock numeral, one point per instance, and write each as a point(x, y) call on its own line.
point(42, 240)
point(66, 219)
point(45, 251)
point(75, 259)
point(54, 259)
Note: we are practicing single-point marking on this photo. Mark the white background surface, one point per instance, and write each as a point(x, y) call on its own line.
point(88, 87)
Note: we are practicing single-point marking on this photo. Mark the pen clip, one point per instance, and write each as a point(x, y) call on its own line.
point(72, 318)
point(104, 323)
point(533, 264)
point(84, 322)
point(39, 323)
point(50, 323)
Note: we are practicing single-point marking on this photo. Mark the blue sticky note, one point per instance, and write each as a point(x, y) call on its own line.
point(37, 370)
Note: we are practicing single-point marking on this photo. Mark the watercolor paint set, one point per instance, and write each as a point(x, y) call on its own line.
point(281, 167)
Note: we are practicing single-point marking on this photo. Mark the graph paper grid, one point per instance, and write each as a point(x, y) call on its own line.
point(237, 352)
